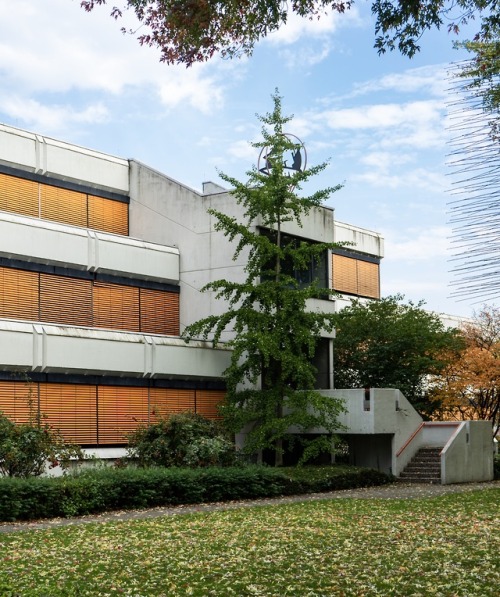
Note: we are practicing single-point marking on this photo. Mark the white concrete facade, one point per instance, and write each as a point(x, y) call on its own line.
point(172, 242)
point(206, 255)
point(54, 353)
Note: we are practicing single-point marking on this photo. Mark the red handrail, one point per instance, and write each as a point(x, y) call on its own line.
point(410, 439)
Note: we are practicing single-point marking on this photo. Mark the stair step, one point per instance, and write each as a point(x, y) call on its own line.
point(436, 474)
point(425, 467)
point(423, 471)
point(427, 480)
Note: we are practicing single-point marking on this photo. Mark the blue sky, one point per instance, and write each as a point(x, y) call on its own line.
point(380, 120)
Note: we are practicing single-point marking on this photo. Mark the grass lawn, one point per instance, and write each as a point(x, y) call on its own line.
point(446, 546)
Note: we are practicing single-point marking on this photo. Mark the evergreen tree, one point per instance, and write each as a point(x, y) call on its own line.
point(271, 379)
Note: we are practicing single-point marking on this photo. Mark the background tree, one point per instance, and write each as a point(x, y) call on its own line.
point(388, 344)
point(482, 72)
point(271, 380)
point(469, 387)
point(194, 30)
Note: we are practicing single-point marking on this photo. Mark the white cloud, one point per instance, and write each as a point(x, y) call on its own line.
point(202, 93)
point(419, 178)
point(431, 79)
point(54, 118)
point(305, 56)
point(416, 288)
point(376, 116)
point(242, 150)
point(384, 160)
point(417, 244)
point(384, 128)
point(298, 27)
point(90, 54)
point(304, 29)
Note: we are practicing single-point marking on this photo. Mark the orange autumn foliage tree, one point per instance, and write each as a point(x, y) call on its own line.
point(469, 388)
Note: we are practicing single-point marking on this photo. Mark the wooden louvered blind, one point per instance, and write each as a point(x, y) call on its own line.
point(167, 401)
point(65, 300)
point(207, 402)
point(159, 312)
point(17, 398)
point(19, 195)
point(120, 411)
point(41, 200)
point(116, 307)
point(344, 274)
point(72, 301)
point(109, 216)
point(19, 294)
point(355, 276)
point(71, 409)
point(100, 415)
point(62, 205)
point(368, 279)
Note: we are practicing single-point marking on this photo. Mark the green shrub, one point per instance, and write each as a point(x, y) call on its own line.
point(27, 449)
point(496, 467)
point(184, 439)
point(101, 490)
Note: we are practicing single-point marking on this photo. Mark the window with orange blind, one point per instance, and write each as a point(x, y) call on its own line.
point(119, 411)
point(207, 402)
point(19, 195)
point(368, 279)
point(159, 312)
point(65, 300)
point(71, 409)
point(106, 215)
point(355, 276)
point(90, 414)
point(116, 307)
point(72, 301)
point(19, 400)
point(19, 294)
point(62, 205)
point(167, 401)
point(78, 208)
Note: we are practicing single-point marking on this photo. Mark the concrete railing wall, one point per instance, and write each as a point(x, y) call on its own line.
point(43, 155)
point(468, 455)
point(40, 241)
point(61, 349)
point(385, 411)
point(436, 434)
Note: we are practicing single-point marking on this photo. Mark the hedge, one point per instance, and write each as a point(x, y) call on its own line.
point(91, 492)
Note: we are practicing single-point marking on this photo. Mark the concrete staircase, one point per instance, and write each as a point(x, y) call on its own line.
point(425, 467)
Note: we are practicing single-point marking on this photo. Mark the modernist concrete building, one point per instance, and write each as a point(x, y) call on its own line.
point(101, 264)
point(102, 261)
